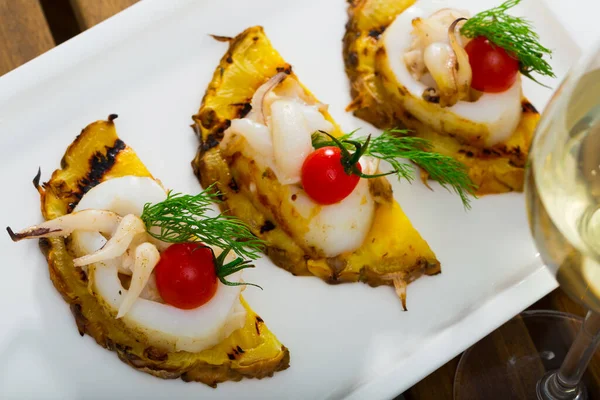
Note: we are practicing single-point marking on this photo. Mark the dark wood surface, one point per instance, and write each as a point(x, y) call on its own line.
point(24, 33)
point(439, 384)
point(29, 28)
point(92, 12)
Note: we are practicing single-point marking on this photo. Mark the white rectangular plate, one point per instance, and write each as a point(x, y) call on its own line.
point(151, 65)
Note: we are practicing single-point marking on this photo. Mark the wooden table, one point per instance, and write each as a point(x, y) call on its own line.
point(28, 28)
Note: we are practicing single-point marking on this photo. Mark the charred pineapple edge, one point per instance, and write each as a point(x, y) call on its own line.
point(92, 319)
point(497, 169)
point(210, 128)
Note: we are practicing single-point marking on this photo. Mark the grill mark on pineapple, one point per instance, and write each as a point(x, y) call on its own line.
point(353, 59)
point(287, 68)
point(220, 131)
point(207, 118)
point(267, 226)
point(210, 121)
point(374, 33)
point(82, 275)
point(243, 109)
point(237, 351)
point(99, 165)
point(467, 153)
point(527, 107)
point(233, 185)
point(257, 322)
point(210, 142)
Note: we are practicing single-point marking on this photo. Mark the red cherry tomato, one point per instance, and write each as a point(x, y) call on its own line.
point(186, 276)
point(324, 178)
point(494, 70)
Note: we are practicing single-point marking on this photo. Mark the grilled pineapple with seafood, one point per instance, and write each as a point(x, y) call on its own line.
point(415, 64)
point(118, 293)
point(254, 127)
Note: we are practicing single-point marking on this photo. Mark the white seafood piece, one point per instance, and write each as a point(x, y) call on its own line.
point(83, 243)
point(165, 326)
point(256, 134)
point(146, 258)
point(123, 195)
point(279, 132)
point(259, 98)
point(500, 113)
point(90, 220)
point(427, 32)
point(291, 135)
point(169, 327)
point(342, 227)
point(282, 143)
point(130, 226)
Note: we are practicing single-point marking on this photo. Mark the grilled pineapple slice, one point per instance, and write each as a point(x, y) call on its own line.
point(379, 99)
point(98, 155)
point(393, 252)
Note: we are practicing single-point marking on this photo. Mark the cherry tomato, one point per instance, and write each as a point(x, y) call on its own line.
point(186, 276)
point(494, 70)
point(324, 178)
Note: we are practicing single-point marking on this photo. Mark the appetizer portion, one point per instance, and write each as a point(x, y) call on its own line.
point(314, 195)
point(452, 78)
point(147, 273)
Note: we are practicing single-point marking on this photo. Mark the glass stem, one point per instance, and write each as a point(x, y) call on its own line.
point(565, 383)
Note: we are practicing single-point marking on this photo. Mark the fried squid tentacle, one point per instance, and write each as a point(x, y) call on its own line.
point(87, 220)
point(146, 258)
point(129, 227)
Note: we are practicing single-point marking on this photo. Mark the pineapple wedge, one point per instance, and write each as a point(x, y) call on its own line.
point(98, 155)
point(392, 254)
point(379, 99)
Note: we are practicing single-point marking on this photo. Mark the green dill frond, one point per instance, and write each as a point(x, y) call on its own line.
point(395, 145)
point(513, 34)
point(184, 218)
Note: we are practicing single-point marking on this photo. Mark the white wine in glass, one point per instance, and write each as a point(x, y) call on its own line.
point(563, 198)
point(563, 202)
point(563, 189)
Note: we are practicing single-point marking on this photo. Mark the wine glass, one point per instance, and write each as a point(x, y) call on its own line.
point(563, 203)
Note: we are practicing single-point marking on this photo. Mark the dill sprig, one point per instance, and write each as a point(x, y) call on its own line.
point(513, 34)
point(394, 145)
point(183, 218)
point(222, 269)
